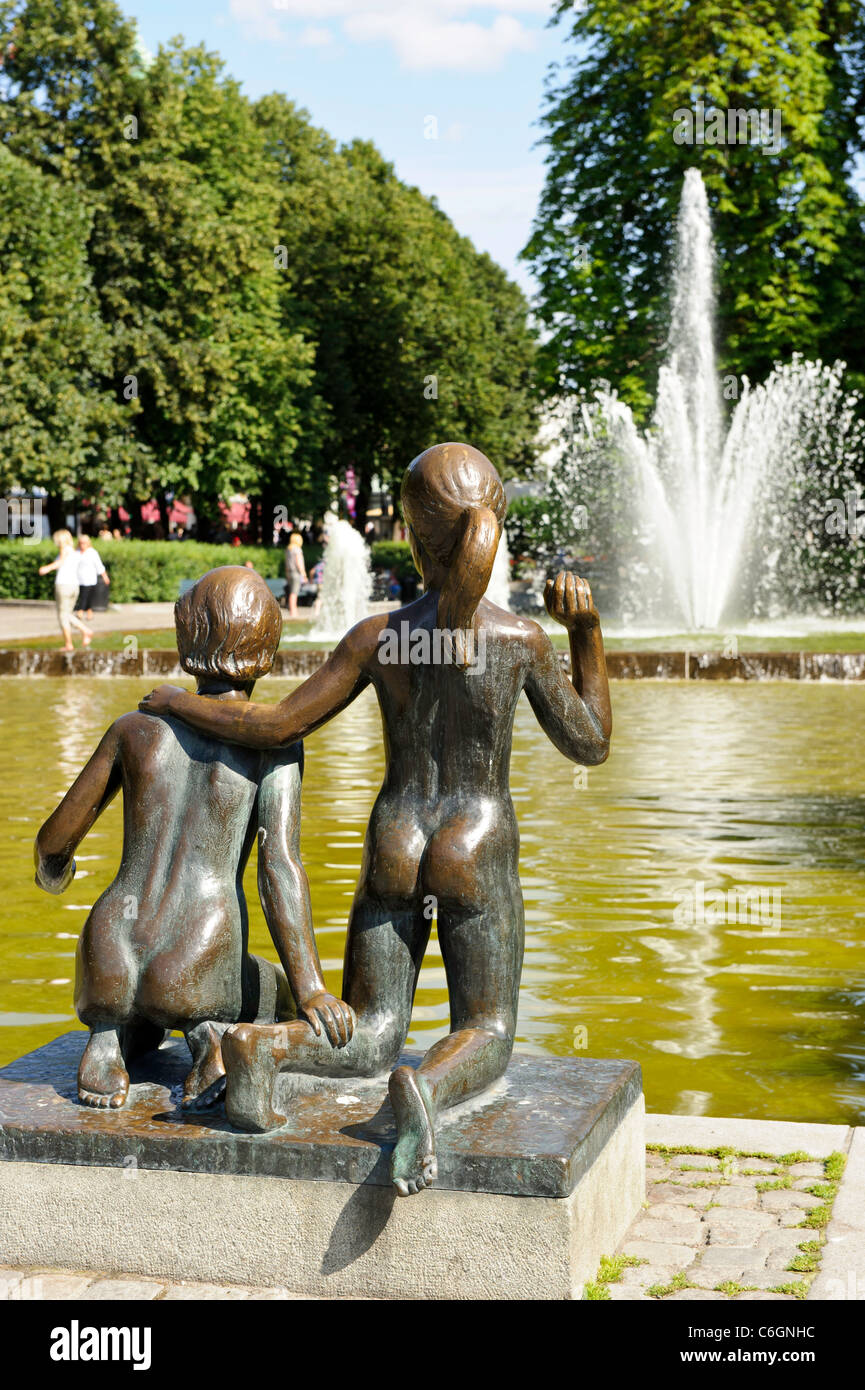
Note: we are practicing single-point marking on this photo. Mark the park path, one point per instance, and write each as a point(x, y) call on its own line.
point(37, 618)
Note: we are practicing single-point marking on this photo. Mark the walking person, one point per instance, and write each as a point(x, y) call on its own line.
point(90, 567)
point(65, 567)
point(295, 571)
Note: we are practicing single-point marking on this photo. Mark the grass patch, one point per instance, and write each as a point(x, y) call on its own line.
point(724, 1151)
point(678, 1281)
point(609, 1272)
point(834, 1166)
point(774, 1184)
point(822, 1189)
point(818, 1217)
point(731, 1288)
point(798, 1290)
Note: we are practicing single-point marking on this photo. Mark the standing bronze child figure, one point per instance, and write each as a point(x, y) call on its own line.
point(165, 946)
point(443, 823)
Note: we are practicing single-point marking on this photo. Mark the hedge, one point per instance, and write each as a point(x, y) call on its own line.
point(393, 555)
point(151, 571)
point(140, 571)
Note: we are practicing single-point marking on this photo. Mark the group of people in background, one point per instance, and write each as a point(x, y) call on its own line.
point(78, 571)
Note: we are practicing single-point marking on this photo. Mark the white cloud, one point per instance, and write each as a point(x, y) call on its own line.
point(314, 37)
point(425, 34)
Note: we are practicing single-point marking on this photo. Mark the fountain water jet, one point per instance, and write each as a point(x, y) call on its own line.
point(710, 499)
point(346, 583)
point(499, 587)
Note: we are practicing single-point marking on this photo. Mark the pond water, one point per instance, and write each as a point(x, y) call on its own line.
point(748, 1002)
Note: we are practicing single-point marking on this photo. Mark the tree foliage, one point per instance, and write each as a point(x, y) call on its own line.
point(788, 223)
point(263, 307)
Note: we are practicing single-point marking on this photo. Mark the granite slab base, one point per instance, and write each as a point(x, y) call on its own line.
point(537, 1180)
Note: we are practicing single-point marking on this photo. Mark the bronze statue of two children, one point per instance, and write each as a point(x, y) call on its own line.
point(166, 947)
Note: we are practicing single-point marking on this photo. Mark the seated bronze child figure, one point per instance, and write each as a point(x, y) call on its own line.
point(166, 945)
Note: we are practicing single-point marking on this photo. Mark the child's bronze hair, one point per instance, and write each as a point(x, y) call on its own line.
point(454, 502)
point(228, 625)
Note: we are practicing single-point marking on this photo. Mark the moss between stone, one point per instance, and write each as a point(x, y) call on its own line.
point(610, 1272)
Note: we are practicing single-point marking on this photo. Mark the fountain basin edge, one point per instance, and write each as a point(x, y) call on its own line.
point(621, 665)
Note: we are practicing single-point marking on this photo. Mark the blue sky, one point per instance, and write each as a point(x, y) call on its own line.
point(379, 69)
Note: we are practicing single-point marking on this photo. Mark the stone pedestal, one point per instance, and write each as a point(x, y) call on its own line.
point(537, 1180)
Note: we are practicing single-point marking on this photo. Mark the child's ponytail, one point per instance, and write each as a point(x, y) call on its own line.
point(469, 570)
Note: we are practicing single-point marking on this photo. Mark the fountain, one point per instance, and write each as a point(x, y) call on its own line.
point(346, 583)
point(499, 587)
point(721, 515)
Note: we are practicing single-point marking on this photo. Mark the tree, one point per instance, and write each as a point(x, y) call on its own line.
point(60, 428)
point(419, 337)
point(181, 246)
point(788, 225)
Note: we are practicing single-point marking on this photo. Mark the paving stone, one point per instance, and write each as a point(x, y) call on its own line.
point(645, 1276)
point(671, 1211)
point(738, 1227)
point(757, 1136)
point(740, 1198)
point(763, 1297)
point(781, 1259)
point(708, 1277)
point(757, 1165)
point(177, 1293)
point(766, 1278)
point(54, 1285)
point(681, 1196)
point(140, 1289)
point(10, 1280)
point(742, 1180)
point(654, 1160)
point(792, 1220)
point(667, 1232)
point(695, 1296)
point(622, 1293)
point(700, 1161)
point(788, 1200)
point(657, 1252)
point(781, 1239)
point(282, 1296)
point(802, 1185)
point(733, 1257)
point(806, 1170)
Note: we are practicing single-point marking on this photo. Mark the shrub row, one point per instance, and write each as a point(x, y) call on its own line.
point(151, 571)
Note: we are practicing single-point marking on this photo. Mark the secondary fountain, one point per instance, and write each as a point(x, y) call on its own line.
point(346, 583)
point(499, 587)
point(716, 515)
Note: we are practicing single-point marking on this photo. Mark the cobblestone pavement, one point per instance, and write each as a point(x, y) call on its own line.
point(723, 1228)
point(37, 1284)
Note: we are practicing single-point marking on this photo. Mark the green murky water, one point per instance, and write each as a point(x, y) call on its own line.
point(756, 1008)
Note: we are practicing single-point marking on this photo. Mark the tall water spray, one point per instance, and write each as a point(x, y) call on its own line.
point(711, 496)
point(499, 587)
point(346, 583)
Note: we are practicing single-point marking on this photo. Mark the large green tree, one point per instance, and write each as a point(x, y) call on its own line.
point(181, 246)
point(60, 428)
point(419, 337)
point(276, 308)
point(789, 226)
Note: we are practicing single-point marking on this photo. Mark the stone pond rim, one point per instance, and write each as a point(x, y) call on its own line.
point(621, 665)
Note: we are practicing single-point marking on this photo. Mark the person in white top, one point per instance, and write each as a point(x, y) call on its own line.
point(90, 567)
point(65, 567)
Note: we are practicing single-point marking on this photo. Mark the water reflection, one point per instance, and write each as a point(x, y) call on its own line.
point(732, 787)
